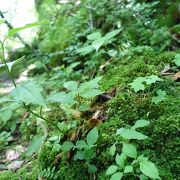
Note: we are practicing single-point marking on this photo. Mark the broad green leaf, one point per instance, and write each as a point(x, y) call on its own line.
point(94, 36)
point(149, 169)
point(137, 84)
point(79, 155)
point(117, 176)
point(5, 99)
point(120, 160)
point(98, 43)
point(111, 170)
point(89, 85)
point(62, 97)
point(143, 177)
point(140, 123)
point(128, 169)
point(11, 64)
point(160, 96)
point(177, 60)
point(92, 136)
point(130, 134)
point(152, 79)
point(92, 168)
point(89, 154)
point(29, 92)
point(71, 85)
point(141, 158)
point(91, 93)
point(35, 145)
point(112, 53)
point(6, 115)
point(12, 32)
point(81, 144)
point(67, 146)
point(112, 149)
point(84, 107)
point(85, 50)
point(111, 34)
point(129, 150)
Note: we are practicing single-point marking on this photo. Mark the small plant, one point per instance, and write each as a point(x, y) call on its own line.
point(139, 83)
point(96, 41)
point(49, 173)
point(129, 163)
point(160, 96)
point(177, 60)
point(77, 96)
point(84, 149)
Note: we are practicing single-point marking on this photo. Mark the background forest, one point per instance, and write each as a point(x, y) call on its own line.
point(93, 94)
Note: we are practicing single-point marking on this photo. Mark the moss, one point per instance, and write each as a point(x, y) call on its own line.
point(25, 173)
point(126, 107)
point(8, 175)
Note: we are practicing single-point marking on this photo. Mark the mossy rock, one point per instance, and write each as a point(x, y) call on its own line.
point(124, 109)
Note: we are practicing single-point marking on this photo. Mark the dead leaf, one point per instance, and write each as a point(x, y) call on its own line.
point(94, 122)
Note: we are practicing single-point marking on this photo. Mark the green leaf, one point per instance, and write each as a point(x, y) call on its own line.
point(149, 169)
point(128, 169)
point(130, 134)
point(91, 93)
point(29, 92)
point(79, 155)
point(84, 107)
point(117, 176)
point(11, 64)
point(67, 146)
point(81, 144)
point(140, 123)
point(62, 97)
point(85, 50)
point(98, 43)
point(111, 34)
point(120, 160)
point(35, 145)
point(5, 99)
point(143, 177)
point(141, 158)
point(112, 53)
point(92, 136)
point(89, 85)
point(94, 36)
point(152, 79)
point(177, 60)
point(129, 150)
point(89, 154)
point(137, 84)
point(111, 170)
point(160, 96)
point(92, 168)
point(12, 32)
point(112, 149)
point(71, 85)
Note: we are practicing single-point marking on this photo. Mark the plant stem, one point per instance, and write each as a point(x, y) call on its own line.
point(14, 83)
point(4, 61)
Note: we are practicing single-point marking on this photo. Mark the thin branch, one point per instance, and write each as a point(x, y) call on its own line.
point(11, 27)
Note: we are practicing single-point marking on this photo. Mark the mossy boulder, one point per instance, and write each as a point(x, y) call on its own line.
point(162, 145)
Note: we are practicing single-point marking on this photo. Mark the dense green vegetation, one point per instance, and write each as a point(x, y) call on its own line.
point(102, 97)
